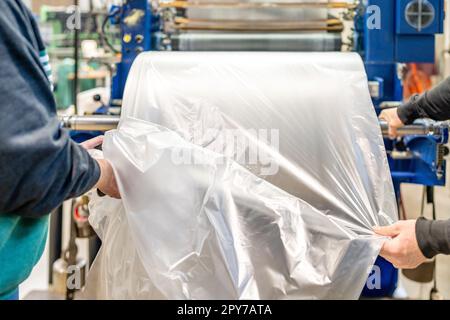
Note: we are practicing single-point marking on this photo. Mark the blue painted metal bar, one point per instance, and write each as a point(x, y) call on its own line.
point(136, 26)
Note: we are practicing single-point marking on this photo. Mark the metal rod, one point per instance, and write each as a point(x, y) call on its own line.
point(269, 5)
point(333, 21)
point(237, 25)
point(105, 123)
point(76, 41)
point(218, 27)
point(224, 27)
point(251, 41)
point(414, 129)
point(89, 123)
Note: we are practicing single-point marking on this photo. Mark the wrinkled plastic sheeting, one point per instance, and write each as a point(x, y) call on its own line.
point(201, 218)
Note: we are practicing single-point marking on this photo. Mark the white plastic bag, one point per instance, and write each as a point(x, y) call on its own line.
point(243, 176)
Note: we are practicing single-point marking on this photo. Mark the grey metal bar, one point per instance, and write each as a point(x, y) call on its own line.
point(90, 123)
point(414, 129)
point(245, 41)
point(104, 123)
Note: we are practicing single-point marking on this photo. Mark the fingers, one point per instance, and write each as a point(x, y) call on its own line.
point(392, 252)
point(114, 188)
point(115, 194)
point(388, 250)
point(393, 121)
point(399, 260)
point(389, 231)
point(92, 143)
point(402, 250)
point(392, 132)
point(107, 182)
point(383, 116)
point(385, 251)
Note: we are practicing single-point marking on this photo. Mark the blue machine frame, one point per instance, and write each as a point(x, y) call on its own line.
point(388, 34)
point(137, 26)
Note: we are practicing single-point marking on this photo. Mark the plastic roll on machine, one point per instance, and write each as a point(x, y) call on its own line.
point(387, 35)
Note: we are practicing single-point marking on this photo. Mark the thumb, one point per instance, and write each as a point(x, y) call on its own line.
point(92, 143)
point(389, 231)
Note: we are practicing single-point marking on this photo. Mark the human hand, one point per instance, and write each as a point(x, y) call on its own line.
point(107, 182)
point(393, 121)
point(402, 250)
point(92, 143)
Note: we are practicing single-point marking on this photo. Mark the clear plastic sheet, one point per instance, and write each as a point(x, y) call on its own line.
point(243, 176)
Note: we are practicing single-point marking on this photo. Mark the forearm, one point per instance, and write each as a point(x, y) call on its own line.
point(433, 237)
point(42, 168)
point(434, 104)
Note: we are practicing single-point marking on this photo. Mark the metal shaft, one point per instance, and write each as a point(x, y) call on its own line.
point(105, 123)
point(414, 129)
point(90, 123)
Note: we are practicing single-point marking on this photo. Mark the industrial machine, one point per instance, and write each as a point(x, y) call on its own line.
point(387, 34)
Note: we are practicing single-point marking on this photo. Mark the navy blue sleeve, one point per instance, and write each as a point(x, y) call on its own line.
point(40, 166)
point(433, 237)
point(434, 104)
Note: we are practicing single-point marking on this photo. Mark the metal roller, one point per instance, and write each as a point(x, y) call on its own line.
point(247, 41)
point(105, 123)
point(90, 123)
point(429, 128)
point(334, 25)
point(257, 13)
point(182, 4)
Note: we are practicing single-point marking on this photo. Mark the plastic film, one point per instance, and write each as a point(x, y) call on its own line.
point(243, 176)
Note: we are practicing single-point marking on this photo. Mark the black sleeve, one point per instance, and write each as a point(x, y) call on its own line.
point(434, 104)
point(433, 237)
point(40, 166)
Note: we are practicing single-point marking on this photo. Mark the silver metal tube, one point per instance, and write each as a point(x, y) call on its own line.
point(414, 129)
point(90, 123)
point(247, 41)
point(105, 123)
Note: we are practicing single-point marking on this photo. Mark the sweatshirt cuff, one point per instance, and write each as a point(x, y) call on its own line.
point(409, 111)
point(433, 237)
point(95, 175)
point(91, 177)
